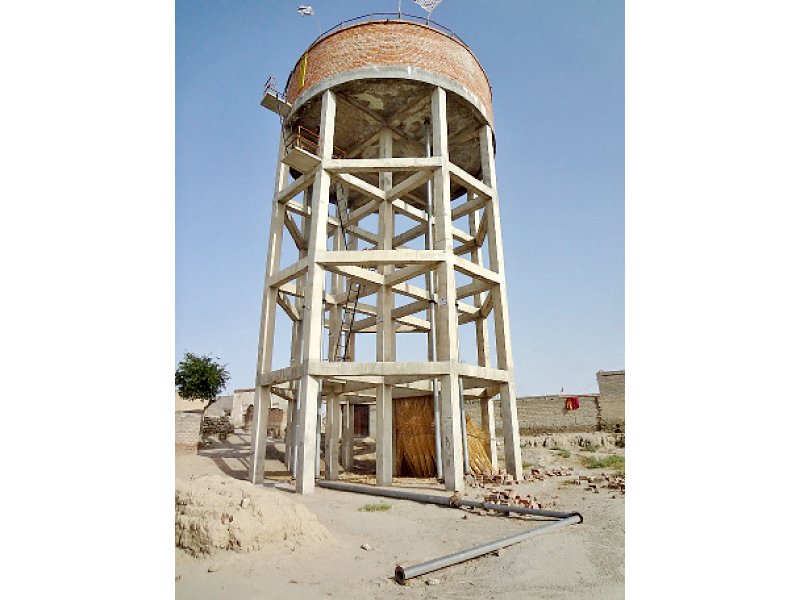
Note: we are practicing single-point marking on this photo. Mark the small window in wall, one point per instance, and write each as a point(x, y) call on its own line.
point(361, 420)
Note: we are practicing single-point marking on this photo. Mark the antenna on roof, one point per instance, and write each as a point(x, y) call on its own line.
point(428, 6)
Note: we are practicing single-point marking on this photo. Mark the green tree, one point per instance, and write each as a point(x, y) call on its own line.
point(200, 377)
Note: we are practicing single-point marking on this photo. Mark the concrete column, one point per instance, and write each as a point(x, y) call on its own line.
point(482, 341)
point(384, 351)
point(237, 414)
point(348, 441)
point(446, 316)
point(313, 311)
point(289, 437)
point(266, 337)
point(333, 432)
point(508, 397)
point(384, 457)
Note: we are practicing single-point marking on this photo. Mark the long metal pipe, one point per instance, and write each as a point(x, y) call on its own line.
point(402, 574)
point(429, 281)
point(356, 488)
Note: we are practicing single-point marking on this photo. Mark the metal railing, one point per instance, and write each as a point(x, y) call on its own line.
point(393, 16)
point(270, 87)
point(307, 140)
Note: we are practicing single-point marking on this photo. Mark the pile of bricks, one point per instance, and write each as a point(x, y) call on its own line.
point(480, 480)
point(219, 426)
point(540, 475)
point(501, 478)
point(509, 497)
point(611, 482)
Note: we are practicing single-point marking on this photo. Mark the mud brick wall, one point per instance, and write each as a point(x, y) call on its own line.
point(276, 423)
point(612, 400)
point(187, 429)
point(217, 425)
point(545, 414)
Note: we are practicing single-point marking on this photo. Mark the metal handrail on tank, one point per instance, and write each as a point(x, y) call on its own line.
point(370, 17)
point(400, 17)
point(307, 140)
point(271, 88)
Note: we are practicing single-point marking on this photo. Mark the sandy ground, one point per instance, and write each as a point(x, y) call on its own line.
point(577, 561)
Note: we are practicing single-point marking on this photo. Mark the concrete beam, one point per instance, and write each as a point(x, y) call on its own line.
point(354, 272)
point(414, 269)
point(380, 257)
point(468, 207)
point(374, 165)
point(469, 268)
point(287, 306)
point(407, 185)
point(294, 231)
point(289, 273)
point(380, 369)
point(297, 186)
point(379, 120)
point(410, 235)
point(355, 183)
point(291, 373)
point(469, 182)
point(476, 287)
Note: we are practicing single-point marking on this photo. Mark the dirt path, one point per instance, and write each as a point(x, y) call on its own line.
point(578, 561)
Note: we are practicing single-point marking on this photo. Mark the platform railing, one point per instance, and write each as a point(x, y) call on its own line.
point(394, 16)
point(271, 88)
point(308, 140)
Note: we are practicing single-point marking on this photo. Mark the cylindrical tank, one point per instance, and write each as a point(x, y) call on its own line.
point(384, 71)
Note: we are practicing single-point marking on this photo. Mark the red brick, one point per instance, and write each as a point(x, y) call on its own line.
point(393, 43)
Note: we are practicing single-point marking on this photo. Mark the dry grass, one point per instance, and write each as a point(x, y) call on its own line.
point(605, 462)
point(379, 507)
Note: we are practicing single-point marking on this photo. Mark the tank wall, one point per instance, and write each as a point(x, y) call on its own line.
point(391, 44)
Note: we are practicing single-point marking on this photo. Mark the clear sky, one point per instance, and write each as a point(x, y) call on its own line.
point(557, 75)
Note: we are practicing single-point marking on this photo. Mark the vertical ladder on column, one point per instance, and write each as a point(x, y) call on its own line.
point(351, 303)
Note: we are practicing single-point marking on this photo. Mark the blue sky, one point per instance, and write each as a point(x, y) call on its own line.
point(557, 74)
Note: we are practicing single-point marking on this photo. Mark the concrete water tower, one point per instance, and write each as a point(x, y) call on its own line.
point(386, 185)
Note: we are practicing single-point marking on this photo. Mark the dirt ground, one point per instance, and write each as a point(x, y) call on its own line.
point(577, 561)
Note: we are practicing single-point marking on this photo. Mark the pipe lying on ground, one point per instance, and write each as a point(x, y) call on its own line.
point(402, 574)
point(443, 500)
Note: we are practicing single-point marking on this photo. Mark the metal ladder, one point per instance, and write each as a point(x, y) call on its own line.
point(351, 303)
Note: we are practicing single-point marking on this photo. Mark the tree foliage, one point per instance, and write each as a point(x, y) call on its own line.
point(200, 377)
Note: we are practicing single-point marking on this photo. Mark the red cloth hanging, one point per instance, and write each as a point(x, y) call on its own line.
point(572, 403)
